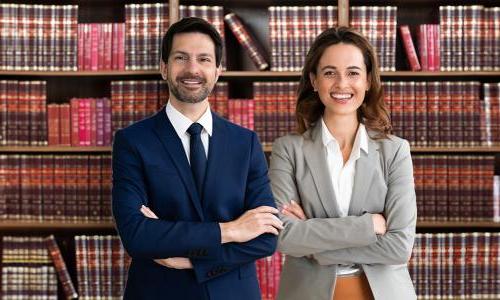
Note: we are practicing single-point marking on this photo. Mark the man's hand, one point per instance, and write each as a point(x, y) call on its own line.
point(172, 262)
point(251, 224)
point(379, 224)
point(175, 263)
point(293, 210)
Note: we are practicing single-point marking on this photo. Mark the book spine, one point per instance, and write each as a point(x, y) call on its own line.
point(61, 269)
point(411, 54)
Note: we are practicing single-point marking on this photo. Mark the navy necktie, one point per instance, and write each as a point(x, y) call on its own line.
point(197, 156)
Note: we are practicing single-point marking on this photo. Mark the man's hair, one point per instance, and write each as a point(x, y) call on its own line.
point(191, 24)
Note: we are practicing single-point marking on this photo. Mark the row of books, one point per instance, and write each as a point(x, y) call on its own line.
point(456, 265)
point(101, 46)
point(82, 122)
point(145, 26)
point(469, 38)
point(429, 57)
point(133, 100)
point(268, 274)
point(378, 24)
point(241, 112)
point(456, 187)
point(27, 269)
point(292, 30)
point(69, 188)
point(444, 113)
point(274, 114)
point(101, 267)
point(23, 116)
point(38, 37)
point(442, 266)
point(214, 15)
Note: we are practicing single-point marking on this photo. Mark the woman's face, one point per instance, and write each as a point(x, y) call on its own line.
point(341, 80)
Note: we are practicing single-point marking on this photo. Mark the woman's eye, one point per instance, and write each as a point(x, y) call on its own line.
point(329, 73)
point(353, 73)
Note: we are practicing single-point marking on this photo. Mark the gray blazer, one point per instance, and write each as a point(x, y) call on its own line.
point(383, 184)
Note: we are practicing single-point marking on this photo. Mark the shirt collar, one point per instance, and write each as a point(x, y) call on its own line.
point(181, 123)
point(360, 141)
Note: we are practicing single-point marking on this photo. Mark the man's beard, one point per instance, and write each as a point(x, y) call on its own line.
point(188, 96)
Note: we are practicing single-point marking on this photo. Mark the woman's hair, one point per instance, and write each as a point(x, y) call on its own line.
point(372, 112)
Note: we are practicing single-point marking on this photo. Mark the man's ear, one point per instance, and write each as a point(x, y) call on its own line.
point(163, 70)
point(218, 72)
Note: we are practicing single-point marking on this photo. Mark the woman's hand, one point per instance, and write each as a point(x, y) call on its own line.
point(171, 262)
point(293, 210)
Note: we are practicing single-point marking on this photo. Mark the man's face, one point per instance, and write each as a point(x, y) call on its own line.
point(191, 71)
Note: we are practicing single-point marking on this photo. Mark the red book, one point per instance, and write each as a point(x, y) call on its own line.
point(94, 52)
point(411, 54)
point(81, 46)
point(93, 121)
point(87, 53)
point(422, 46)
point(108, 44)
point(75, 135)
point(65, 124)
point(53, 120)
point(61, 269)
point(430, 47)
point(121, 46)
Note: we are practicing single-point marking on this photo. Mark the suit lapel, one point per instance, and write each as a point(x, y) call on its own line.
point(173, 146)
point(216, 153)
point(365, 170)
point(315, 157)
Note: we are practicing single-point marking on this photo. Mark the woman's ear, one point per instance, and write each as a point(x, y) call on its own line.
point(312, 78)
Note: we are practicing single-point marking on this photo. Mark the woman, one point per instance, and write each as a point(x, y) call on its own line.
point(344, 184)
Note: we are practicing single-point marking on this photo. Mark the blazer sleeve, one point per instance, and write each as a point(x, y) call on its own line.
point(314, 235)
point(144, 237)
point(395, 246)
point(258, 193)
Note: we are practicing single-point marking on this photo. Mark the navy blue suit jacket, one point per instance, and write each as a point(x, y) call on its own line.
point(150, 168)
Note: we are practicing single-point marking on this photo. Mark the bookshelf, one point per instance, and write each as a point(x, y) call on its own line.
point(240, 75)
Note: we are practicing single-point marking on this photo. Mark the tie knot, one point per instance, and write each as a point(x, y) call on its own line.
point(195, 129)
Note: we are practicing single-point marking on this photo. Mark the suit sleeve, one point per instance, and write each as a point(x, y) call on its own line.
point(258, 193)
point(396, 245)
point(314, 235)
point(144, 237)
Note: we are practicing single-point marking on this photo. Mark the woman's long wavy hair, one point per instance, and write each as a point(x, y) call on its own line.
point(372, 112)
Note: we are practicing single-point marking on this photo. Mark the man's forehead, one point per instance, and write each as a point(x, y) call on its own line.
point(193, 43)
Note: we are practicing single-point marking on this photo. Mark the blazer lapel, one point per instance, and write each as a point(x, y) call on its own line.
point(315, 157)
point(173, 146)
point(365, 170)
point(216, 153)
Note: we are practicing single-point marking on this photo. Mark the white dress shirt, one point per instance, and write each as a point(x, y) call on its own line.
point(342, 175)
point(181, 124)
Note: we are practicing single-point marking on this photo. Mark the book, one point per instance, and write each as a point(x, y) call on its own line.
point(411, 53)
point(246, 40)
point(61, 269)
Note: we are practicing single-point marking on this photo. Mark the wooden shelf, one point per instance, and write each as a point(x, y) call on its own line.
point(36, 225)
point(481, 149)
point(460, 224)
point(440, 74)
point(267, 148)
point(54, 149)
point(241, 74)
point(46, 225)
point(78, 73)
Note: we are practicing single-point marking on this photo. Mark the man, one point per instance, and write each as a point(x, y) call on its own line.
point(191, 196)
